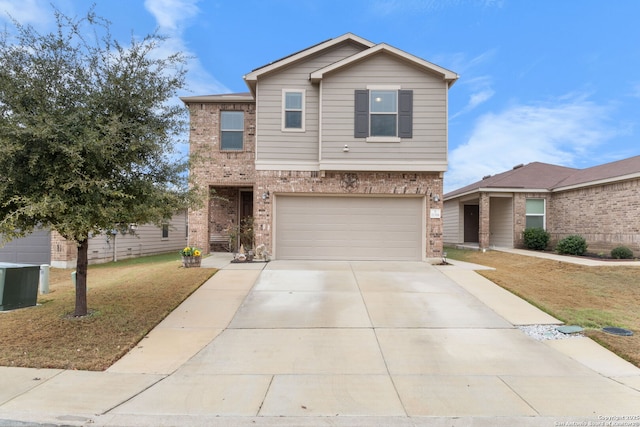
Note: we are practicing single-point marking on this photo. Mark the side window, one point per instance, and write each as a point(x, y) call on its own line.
point(232, 130)
point(383, 113)
point(165, 231)
point(293, 110)
point(535, 216)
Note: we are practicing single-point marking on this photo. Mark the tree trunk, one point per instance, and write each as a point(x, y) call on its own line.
point(81, 279)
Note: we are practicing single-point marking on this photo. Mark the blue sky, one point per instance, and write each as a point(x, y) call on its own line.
point(555, 81)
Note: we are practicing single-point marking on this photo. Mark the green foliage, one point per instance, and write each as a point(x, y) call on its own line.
point(536, 239)
point(621, 252)
point(572, 245)
point(243, 235)
point(87, 131)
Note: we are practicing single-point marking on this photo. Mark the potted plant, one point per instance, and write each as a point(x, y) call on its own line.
point(191, 257)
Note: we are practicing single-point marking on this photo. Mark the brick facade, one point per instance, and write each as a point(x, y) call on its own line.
point(605, 215)
point(219, 173)
point(64, 253)
point(361, 183)
point(520, 214)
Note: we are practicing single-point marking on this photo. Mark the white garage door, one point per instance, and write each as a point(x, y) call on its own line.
point(349, 228)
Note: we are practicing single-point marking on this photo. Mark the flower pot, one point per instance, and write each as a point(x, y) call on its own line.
point(191, 261)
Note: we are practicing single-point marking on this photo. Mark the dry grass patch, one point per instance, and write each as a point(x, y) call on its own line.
point(125, 299)
point(591, 297)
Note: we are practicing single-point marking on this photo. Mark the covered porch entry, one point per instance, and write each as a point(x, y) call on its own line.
point(230, 218)
point(487, 221)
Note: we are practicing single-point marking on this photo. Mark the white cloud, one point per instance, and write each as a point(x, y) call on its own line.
point(476, 98)
point(172, 14)
point(479, 88)
point(172, 17)
point(561, 133)
point(34, 12)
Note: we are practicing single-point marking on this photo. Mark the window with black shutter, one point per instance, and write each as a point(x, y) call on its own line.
point(383, 114)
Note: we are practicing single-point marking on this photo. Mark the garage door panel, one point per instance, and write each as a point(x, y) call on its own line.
point(358, 228)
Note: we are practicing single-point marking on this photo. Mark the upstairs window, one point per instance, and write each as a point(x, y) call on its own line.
point(232, 130)
point(535, 217)
point(383, 114)
point(383, 108)
point(293, 110)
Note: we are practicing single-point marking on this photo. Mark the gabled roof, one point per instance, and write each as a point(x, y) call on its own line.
point(448, 76)
point(538, 176)
point(252, 78)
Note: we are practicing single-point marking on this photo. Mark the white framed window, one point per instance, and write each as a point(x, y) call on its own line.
point(293, 102)
point(383, 110)
point(165, 231)
point(535, 213)
point(231, 130)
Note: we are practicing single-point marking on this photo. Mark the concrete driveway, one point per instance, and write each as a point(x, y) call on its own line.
point(353, 343)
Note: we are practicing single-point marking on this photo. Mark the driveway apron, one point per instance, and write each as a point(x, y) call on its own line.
point(396, 339)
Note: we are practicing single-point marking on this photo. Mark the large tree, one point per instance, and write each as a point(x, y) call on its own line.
point(87, 133)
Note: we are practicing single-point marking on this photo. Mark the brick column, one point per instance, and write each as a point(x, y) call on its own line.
point(199, 228)
point(484, 221)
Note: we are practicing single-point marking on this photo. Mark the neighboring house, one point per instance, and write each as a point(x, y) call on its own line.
point(337, 152)
point(600, 203)
point(32, 249)
point(46, 247)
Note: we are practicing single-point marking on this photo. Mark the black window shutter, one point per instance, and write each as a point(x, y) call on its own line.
point(361, 121)
point(405, 113)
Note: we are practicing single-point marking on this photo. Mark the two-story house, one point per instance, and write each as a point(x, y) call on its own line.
point(337, 152)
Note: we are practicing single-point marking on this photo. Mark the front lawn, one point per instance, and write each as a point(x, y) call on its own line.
point(126, 300)
point(591, 297)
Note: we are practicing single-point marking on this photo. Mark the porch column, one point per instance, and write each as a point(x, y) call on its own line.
point(199, 228)
point(483, 235)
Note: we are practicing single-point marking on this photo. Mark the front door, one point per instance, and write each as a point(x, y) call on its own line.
point(246, 219)
point(471, 223)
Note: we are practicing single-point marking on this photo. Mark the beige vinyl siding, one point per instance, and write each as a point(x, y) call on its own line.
point(274, 145)
point(451, 220)
point(501, 222)
point(146, 241)
point(429, 142)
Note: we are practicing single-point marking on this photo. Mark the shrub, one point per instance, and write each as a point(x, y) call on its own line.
point(621, 252)
point(536, 239)
point(572, 245)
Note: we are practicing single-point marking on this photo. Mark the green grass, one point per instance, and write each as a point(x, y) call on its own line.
point(126, 299)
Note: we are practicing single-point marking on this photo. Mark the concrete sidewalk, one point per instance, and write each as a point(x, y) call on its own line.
point(340, 344)
point(589, 262)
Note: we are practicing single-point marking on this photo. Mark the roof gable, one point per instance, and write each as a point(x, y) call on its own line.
point(449, 76)
point(252, 78)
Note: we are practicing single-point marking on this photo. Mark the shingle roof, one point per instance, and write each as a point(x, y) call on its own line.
point(545, 176)
point(606, 171)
